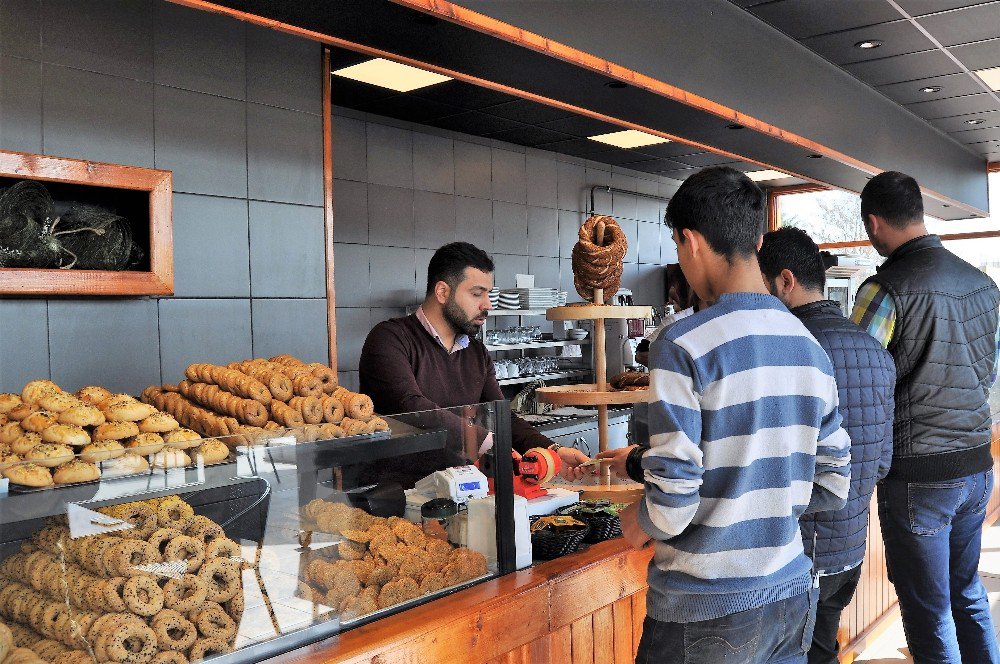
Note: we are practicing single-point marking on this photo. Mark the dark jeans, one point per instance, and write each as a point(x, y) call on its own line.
point(776, 633)
point(835, 592)
point(932, 534)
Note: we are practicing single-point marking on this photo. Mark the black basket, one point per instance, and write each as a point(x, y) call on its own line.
point(546, 544)
point(602, 526)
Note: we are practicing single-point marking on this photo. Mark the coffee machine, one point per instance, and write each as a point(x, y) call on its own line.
point(622, 336)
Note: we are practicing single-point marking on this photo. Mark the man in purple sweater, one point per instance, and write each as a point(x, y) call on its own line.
point(431, 359)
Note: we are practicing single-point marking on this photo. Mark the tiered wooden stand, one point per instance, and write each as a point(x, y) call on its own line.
point(598, 394)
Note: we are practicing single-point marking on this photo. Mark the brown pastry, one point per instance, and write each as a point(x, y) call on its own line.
point(27, 442)
point(82, 416)
point(145, 443)
point(39, 421)
point(36, 389)
point(597, 257)
point(49, 455)
point(102, 450)
point(29, 474)
point(76, 471)
point(116, 431)
point(66, 434)
point(8, 402)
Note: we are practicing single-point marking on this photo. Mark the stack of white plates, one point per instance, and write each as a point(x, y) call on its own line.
point(561, 298)
point(509, 300)
point(532, 298)
point(495, 297)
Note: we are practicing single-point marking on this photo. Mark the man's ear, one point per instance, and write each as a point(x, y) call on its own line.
point(875, 224)
point(442, 291)
point(693, 239)
point(786, 281)
point(760, 243)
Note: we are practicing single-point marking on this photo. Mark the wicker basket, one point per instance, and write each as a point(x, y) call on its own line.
point(603, 526)
point(546, 545)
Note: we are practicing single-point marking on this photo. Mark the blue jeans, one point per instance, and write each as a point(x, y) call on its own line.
point(932, 534)
point(776, 633)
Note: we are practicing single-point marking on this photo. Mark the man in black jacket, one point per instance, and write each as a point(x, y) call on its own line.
point(792, 268)
point(937, 315)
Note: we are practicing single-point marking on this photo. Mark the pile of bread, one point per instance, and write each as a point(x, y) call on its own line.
point(102, 598)
point(244, 401)
point(48, 436)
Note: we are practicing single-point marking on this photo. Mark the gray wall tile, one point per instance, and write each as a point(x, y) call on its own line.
point(97, 117)
point(651, 285)
point(566, 279)
point(24, 329)
point(630, 277)
point(284, 155)
point(648, 209)
point(287, 251)
point(546, 271)
point(202, 139)
point(111, 36)
point(507, 267)
point(83, 352)
point(541, 181)
point(631, 228)
point(433, 163)
point(349, 380)
point(297, 327)
point(20, 103)
point(351, 274)
point(647, 186)
point(390, 216)
point(649, 243)
point(624, 206)
point(602, 201)
point(475, 222)
point(569, 230)
point(284, 70)
point(508, 172)
point(350, 211)
point(197, 50)
point(216, 331)
point(433, 218)
point(510, 228)
point(390, 156)
point(570, 187)
point(543, 231)
point(423, 259)
point(349, 346)
point(472, 170)
point(350, 149)
point(21, 28)
point(211, 247)
point(393, 276)
point(668, 250)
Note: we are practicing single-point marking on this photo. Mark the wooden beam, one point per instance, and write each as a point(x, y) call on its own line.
point(328, 220)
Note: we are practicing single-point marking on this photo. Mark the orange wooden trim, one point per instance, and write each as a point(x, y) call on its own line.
point(328, 220)
point(159, 183)
point(870, 634)
point(993, 167)
point(773, 193)
point(944, 238)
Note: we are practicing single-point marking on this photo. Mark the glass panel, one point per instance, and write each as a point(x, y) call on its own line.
point(828, 216)
point(991, 223)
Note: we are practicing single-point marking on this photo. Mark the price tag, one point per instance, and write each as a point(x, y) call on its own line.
point(85, 522)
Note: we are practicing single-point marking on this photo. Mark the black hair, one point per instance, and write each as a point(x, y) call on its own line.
point(895, 197)
point(449, 262)
point(792, 249)
point(725, 206)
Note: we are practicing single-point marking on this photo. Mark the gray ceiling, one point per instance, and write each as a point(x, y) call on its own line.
point(925, 43)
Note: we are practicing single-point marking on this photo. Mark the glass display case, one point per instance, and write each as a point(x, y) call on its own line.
point(289, 539)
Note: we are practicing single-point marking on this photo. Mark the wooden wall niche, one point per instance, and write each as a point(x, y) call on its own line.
point(141, 194)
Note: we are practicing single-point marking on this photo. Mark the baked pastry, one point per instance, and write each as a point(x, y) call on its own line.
point(82, 416)
point(27, 442)
point(102, 450)
point(126, 464)
point(76, 471)
point(158, 423)
point(10, 432)
point(8, 458)
point(356, 406)
point(57, 402)
point(123, 408)
point(630, 379)
point(38, 421)
point(116, 431)
point(93, 394)
point(49, 455)
point(212, 450)
point(36, 389)
point(598, 256)
point(66, 434)
point(8, 402)
point(29, 474)
point(170, 458)
point(145, 443)
point(182, 439)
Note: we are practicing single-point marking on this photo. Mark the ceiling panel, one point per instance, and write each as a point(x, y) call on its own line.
point(918, 7)
point(702, 159)
point(414, 109)
point(671, 149)
point(530, 135)
point(651, 165)
point(679, 173)
point(616, 157)
point(943, 108)
point(898, 38)
point(978, 135)
point(807, 18)
point(462, 94)
point(475, 123)
point(904, 68)
point(964, 25)
point(528, 112)
point(345, 92)
point(953, 85)
point(577, 146)
point(959, 122)
point(979, 56)
point(581, 126)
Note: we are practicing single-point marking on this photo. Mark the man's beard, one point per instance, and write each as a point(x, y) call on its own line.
point(458, 320)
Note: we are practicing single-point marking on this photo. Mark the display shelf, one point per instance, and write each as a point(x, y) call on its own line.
point(555, 375)
point(588, 394)
point(597, 312)
point(516, 312)
point(539, 344)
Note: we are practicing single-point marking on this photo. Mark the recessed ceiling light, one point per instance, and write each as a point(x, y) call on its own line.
point(393, 75)
point(735, 125)
point(931, 88)
point(868, 44)
point(616, 85)
point(945, 205)
point(991, 77)
point(975, 121)
point(629, 138)
point(814, 156)
point(764, 176)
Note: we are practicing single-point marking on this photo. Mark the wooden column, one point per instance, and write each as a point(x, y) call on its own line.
point(331, 293)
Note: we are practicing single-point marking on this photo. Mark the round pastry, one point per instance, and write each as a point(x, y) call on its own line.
point(310, 408)
point(332, 430)
point(222, 577)
point(142, 596)
point(185, 594)
point(25, 443)
point(82, 416)
point(6, 641)
point(174, 513)
point(235, 606)
point(8, 459)
point(49, 455)
point(102, 450)
point(170, 656)
point(158, 423)
point(140, 515)
point(116, 431)
point(9, 402)
point(161, 537)
point(378, 424)
point(185, 548)
point(145, 443)
point(38, 421)
point(113, 600)
point(76, 471)
point(333, 410)
point(223, 547)
point(121, 410)
point(126, 464)
point(168, 458)
point(204, 529)
point(124, 557)
point(57, 402)
point(354, 427)
point(212, 621)
point(66, 434)
point(10, 432)
point(356, 406)
point(48, 649)
point(173, 631)
point(212, 450)
point(132, 643)
point(18, 413)
point(36, 389)
point(597, 257)
point(23, 656)
point(203, 648)
point(286, 415)
point(182, 439)
point(93, 394)
point(29, 474)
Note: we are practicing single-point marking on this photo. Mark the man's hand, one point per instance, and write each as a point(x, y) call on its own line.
point(631, 530)
point(571, 459)
point(618, 458)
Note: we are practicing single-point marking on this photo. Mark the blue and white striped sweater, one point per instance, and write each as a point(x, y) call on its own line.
point(745, 436)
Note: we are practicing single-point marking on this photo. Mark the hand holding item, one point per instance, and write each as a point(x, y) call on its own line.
point(572, 460)
point(631, 530)
point(617, 458)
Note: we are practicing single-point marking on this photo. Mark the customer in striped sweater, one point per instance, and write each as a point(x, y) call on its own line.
point(745, 437)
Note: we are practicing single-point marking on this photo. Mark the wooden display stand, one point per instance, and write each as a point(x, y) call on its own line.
point(598, 394)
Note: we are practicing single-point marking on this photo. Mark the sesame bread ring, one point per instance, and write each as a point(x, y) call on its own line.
point(354, 427)
point(66, 434)
point(378, 424)
point(222, 577)
point(327, 377)
point(126, 556)
point(75, 471)
point(204, 529)
point(38, 421)
point(173, 631)
point(9, 402)
point(169, 656)
point(333, 410)
point(331, 430)
point(10, 432)
point(23, 655)
point(203, 648)
point(235, 606)
point(6, 641)
point(113, 600)
point(212, 450)
point(57, 402)
point(82, 416)
point(161, 537)
point(49, 455)
point(158, 423)
point(71, 657)
point(213, 621)
point(310, 408)
point(185, 548)
point(356, 406)
point(26, 443)
point(142, 596)
point(182, 439)
point(168, 458)
point(285, 415)
point(37, 389)
point(133, 643)
point(222, 547)
point(145, 443)
point(93, 394)
point(174, 514)
point(185, 594)
point(140, 515)
point(127, 411)
point(102, 450)
point(116, 431)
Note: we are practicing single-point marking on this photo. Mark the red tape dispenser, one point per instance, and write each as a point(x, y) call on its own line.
point(537, 466)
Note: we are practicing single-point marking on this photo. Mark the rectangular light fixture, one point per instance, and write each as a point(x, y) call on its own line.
point(393, 75)
point(629, 138)
point(991, 77)
point(764, 176)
